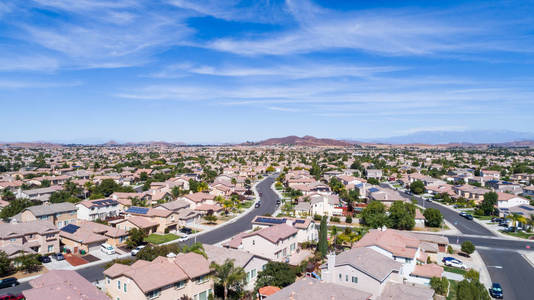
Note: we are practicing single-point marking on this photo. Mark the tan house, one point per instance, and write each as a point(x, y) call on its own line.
point(167, 220)
point(29, 238)
point(60, 214)
point(62, 284)
point(163, 279)
point(88, 236)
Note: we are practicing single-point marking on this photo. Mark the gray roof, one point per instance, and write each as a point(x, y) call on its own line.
point(175, 205)
point(8, 230)
point(368, 261)
point(50, 209)
point(399, 291)
point(312, 289)
point(220, 254)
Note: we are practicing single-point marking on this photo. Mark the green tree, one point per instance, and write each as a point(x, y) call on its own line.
point(433, 217)
point(45, 183)
point(8, 195)
point(439, 285)
point(16, 206)
point(471, 290)
point(516, 218)
point(417, 187)
point(402, 215)
point(472, 275)
point(136, 237)
point(374, 215)
point(29, 263)
point(211, 218)
point(228, 276)
point(322, 246)
point(468, 247)
point(6, 267)
point(276, 274)
point(373, 181)
point(488, 204)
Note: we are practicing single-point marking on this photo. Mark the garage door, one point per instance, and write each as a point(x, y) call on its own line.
point(94, 247)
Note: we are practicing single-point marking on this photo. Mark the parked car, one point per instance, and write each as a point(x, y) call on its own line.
point(44, 259)
point(258, 204)
point(137, 249)
point(496, 291)
point(59, 256)
point(107, 248)
point(496, 220)
point(446, 258)
point(278, 202)
point(186, 230)
point(455, 263)
point(8, 282)
point(11, 297)
point(463, 214)
point(469, 217)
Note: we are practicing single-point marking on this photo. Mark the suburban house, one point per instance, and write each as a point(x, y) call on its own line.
point(276, 242)
point(167, 220)
point(40, 194)
point(165, 278)
point(398, 291)
point(470, 192)
point(137, 222)
point(505, 200)
point(252, 264)
point(201, 201)
point(404, 247)
point(374, 173)
point(102, 209)
point(313, 289)
point(88, 236)
point(319, 204)
point(60, 214)
point(385, 195)
point(28, 238)
point(363, 269)
point(306, 228)
point(62, 284)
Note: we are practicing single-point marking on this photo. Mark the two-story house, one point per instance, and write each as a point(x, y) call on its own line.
point(306, 228)
point(60, 214)
point(31, 237)
point(93, 210)
point(166, 220)
point(164, 278)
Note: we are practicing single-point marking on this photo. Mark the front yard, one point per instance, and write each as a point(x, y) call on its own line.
point(161, 238)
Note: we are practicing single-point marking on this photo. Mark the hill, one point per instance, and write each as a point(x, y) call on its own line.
point(302, 141)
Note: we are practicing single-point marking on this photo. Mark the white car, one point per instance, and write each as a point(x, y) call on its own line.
point(137, 249)
point(455, 263)
point(107, 248)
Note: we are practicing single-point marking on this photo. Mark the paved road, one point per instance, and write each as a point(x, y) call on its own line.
point(505, 264)
point(268, 206)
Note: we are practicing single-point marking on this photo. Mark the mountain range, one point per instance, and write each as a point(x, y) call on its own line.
point(458, 137)
point(301, 141)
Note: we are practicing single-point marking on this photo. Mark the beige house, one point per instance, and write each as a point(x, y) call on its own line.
point(60, 214)
point(167, 220)
point(163, 279)
point(29, 238)
point(88, 236)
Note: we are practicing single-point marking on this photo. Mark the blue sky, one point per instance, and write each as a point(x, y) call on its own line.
point(230, 71)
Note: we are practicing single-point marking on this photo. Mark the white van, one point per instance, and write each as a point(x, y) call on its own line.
point(107, 248)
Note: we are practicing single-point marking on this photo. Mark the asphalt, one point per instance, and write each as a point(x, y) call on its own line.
point(268, 206)
point(504, 263)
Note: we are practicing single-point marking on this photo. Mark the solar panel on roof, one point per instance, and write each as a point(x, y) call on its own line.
point(137, 210)
point(526, 207)
point(299, 221)
point(270, 220)
point(70, 228)
point(372, 190)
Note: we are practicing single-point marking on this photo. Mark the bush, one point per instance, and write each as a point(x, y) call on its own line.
point(334, 219)
point(439, 285)
point(348, 219)
point(468, 290)
point(472, 275)
point(449, 249)
point(317, 217)
point(433, 217)
point(468, 247)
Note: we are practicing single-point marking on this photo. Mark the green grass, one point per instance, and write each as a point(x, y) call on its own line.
point(161, 238)
point(453, 286)
point(454, 270)
point(484, 218)
point(522, 235)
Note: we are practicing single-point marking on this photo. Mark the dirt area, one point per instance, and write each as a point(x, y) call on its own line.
point(90, 258)
point(21, 274)
point(75, 260)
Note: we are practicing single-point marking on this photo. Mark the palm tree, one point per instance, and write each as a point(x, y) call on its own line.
point(196, 248)
point(228, 275)
point(516, 218)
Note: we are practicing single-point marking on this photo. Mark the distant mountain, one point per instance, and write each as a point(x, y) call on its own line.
point(301, 141)
point(149, 143)
point(459, 137)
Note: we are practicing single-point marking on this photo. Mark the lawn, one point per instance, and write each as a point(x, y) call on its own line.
point(453, 285)
point(484, 218)
point(161, 238)
point(454, 270)
point(519, 234)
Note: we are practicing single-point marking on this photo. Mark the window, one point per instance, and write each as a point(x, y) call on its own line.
point(118, 284)
point(124, 285)
point(12, 240)
point(179, 284)
point(50, 248)
point(201, 279)
point(253, 273)
point(292, 247)
point(354, 279)
point(59, 224)
point(153, 294)
point(253, 242)
point(107, 279)
point(347, 278)
point(340, 277)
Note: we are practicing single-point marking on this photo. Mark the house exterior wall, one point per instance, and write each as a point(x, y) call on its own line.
point(254, 266)
point(95, 213)
point(46, 243)
point(260, 246)
point(512, 202)
point(343, 275)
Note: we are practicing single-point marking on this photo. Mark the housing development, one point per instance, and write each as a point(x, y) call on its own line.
point(280, 221)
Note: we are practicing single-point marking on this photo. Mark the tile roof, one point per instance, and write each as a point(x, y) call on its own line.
point(427, 270)
point(63, 284)
point(312, 289)
point(274, 233)
point(52, 208)
point(399, 291)
point(394, 241)
point(8, 230)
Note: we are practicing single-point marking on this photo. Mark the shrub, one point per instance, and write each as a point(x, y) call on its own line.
point(472, 275)
point(468, 247)
point(317, 217)
point(439, 285)
point(334, 219)
point(449, 249)
point(348, 219)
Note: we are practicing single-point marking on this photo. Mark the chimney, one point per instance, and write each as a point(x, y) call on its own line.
point(330, 264)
